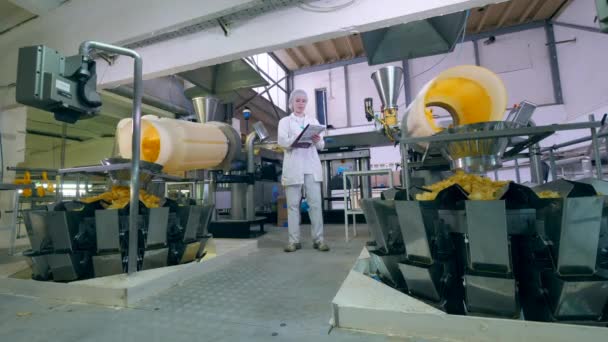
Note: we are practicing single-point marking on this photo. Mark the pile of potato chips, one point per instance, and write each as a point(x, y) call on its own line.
point(479, 188)
point(118, 198)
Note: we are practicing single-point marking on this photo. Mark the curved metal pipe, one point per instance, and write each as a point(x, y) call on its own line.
point(250, 198)
point(249, 142)
point(85, 50)
point(536, 174)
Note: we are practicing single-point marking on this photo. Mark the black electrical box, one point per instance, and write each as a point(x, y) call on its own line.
point(65, 86)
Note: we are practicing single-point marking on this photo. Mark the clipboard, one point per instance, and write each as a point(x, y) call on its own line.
point(304, 139)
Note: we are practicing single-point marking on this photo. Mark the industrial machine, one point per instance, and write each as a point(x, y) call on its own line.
point(80, 239)
point(333, 163)
point(471, 246)
point(65, 86)
point(133, 226)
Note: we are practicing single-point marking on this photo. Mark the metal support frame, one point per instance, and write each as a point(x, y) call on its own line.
point(512, 132)
point(574, 142)
point(252, 61)
point(64, 130)
point(407, 85)
point(266, 89)
point(532, 132)
point(86, 48)
point(345, 190)
point(596, 149)
point(578, 27)
point(347, 95)
point(279, 62)
point(476, 52)
point(405, 168)
point(553, 62)
point(14, 218)
point(517, 175)
point(290, 88)
point(552, 165)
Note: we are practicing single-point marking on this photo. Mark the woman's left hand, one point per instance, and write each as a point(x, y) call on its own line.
point(316, 138)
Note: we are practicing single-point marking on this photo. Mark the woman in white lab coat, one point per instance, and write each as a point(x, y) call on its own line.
point(301, 166)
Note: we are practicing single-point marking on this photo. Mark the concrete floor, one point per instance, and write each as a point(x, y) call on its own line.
point(265, 295)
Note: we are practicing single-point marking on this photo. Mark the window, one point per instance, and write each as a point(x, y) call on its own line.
point(273, 73)
point(321, 101)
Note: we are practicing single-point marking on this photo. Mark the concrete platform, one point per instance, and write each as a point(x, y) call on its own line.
point(265, 295)
point(365, 304)
point(121, 290)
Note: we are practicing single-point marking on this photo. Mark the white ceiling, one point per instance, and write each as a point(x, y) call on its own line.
point(12, 15)
point(15, 12)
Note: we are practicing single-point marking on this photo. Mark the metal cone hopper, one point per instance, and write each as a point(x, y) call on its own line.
point(388, 81)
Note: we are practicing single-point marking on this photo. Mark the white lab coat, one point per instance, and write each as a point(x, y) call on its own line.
point(295, 159)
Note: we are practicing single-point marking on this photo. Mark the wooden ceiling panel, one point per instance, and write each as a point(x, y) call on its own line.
point(548, 9)
point(482, 19)
point(288, 59)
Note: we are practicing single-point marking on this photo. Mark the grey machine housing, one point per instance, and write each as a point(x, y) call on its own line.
point(65, 86)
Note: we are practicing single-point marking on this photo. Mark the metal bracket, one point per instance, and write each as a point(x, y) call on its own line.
point(224, 25)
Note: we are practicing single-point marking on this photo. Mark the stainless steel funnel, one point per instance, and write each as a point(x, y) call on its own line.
point(476, 155)
point(388, 81)
point(206, 109)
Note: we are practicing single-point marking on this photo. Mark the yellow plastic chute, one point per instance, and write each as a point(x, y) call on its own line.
point(471, 94)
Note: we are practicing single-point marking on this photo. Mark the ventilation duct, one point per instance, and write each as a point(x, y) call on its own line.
point(415, 39)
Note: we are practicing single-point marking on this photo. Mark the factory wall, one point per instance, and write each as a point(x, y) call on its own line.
point(583, 62)
point(77, 154)
point(521, 59)
point(583, 77)
point(334, 82)
point(12, 138)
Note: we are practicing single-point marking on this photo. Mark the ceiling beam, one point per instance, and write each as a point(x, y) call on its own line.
point(319, 53)
point(506, 13)
point(334, 47)
point(294, 58)
point(528, 10)
point(302, 55)
point(192, 51)
point(350, 47)
point(482, 21)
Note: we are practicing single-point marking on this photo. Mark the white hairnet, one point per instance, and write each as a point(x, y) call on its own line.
point(294, 94)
